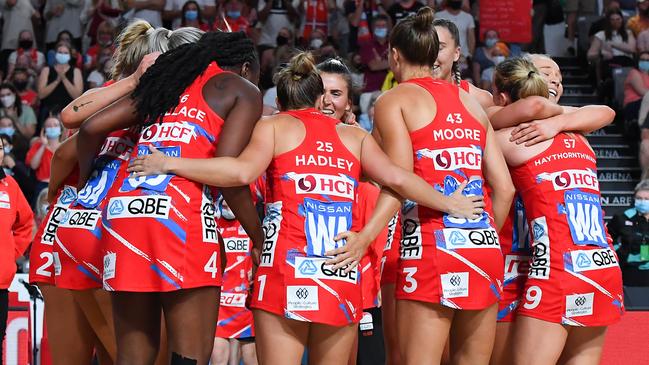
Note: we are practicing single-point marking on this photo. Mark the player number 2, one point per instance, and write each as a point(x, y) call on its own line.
point(411, 283)
point(212, 265)
point(533, 297)
point(45, 268)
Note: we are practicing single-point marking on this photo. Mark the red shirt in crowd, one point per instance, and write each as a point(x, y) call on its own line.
point(370, 51)
point(43, 170)
point(16, 225)
point(29, 98)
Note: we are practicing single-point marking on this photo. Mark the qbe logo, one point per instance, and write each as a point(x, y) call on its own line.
point(152, 206)
point(588, 260)
point(450, 159)
point(237, 244)
point(208, 221)
point(302, 298)
point(454, 238)
point(271, 227)
point(578, 305)
point(455, 285)
point(324, 221)
point(334, 185)
point(164, 132)
point(53, 221)
point(411, 241)
point(315, 268)
point(584, 214)
point(571, 179)
point(233, 300)
point(81, 218)
point(540, 263)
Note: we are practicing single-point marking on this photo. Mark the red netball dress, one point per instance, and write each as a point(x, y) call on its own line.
point(574, 276)
point(515, 245)
point(79, 235)
point(160, 231)
point(309, 200)
point(464, 85)
point(44, 263)
point(452, 261)
point(370, 266)
point(389, 264)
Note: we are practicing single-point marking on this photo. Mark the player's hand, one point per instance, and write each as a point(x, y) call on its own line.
point(462, 206)
point(349, 255)
point(152, 164)
point(534, 132)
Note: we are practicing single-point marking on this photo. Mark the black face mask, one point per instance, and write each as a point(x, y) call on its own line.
point(25, 43)
point(455, 5)
point(20, 85)
point(281, 40)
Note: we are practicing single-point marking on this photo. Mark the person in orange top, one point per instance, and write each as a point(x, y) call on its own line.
point(640, 21)
point(39, 156)
point(16, 225)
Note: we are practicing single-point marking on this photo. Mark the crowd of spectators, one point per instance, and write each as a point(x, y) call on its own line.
point(54, 50)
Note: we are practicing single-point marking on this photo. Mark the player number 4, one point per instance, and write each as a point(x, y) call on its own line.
point(212, 265)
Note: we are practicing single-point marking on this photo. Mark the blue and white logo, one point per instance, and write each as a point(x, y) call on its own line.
point(324, 221)
point(152, 182)
point(473, 188)
point(308, 268)
point(457, 238)
point(584, 214)
point(68, 195)
point(116, 207)
point(539, 231)
point(99, 183)
point(583, 261)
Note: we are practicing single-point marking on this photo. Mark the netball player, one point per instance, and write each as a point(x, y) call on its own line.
point(313, 163)
point(570, 295)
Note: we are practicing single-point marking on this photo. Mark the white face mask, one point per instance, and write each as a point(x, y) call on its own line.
point(316, 43)
point(8, 100)
point(498, 60)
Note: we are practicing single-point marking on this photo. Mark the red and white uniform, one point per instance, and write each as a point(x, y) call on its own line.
point(389, 262)
point(515, 245)
point(43, 262)
point(452, 261)
point(309, 199)
point(235, 320)
point(316, 17)
point(370, 265)
point(16, 227)
point(464, 85)
point(574, 276)
point(160, 231)
point(78, 238)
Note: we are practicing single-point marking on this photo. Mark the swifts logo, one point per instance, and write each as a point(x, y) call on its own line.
point(451, 159)
point(571, 179)
point(334, 185)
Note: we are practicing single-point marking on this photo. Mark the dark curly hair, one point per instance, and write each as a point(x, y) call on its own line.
point(162, 84)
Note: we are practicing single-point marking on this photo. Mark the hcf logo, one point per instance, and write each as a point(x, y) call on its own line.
point(450, 159)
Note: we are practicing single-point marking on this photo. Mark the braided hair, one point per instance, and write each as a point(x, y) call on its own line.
point(164, 82)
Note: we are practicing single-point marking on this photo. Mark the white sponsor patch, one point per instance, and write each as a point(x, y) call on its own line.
point(152, 206)
point(233, 300)
point(455, 285)
point(163, 132)
point(515, 266)
point(366, 324)
point(81, 218)
point(587, 260)
point(315, 268)
point(208, 213)
point(302, 298)
point(47, 238)
point(272, 224)
point(109, 265)
point(571, 179)
point(450, 159)
point(237, 244)
point(411, 242)
point(579, 305)
point(117, 147)
point(57, 263)
point(334, 185)
point(540, 264)
point(455, 238)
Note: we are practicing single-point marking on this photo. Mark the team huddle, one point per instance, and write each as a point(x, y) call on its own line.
point(473, 220)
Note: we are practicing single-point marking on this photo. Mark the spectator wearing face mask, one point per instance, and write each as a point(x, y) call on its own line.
point(485, 56)
point(17, 17)
point(23, 81)
point(374, 54)
point(193, 17)
point(58, 85)
point(500, 53)
point(15, 168)
point(465, 25)
point(402, 9)
point(173, 11)
point(19, 144)
point(235, 17)
point(27, 47)
point(360, 14)
point(39, 156)
point(12, 106)
point(630, 233)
